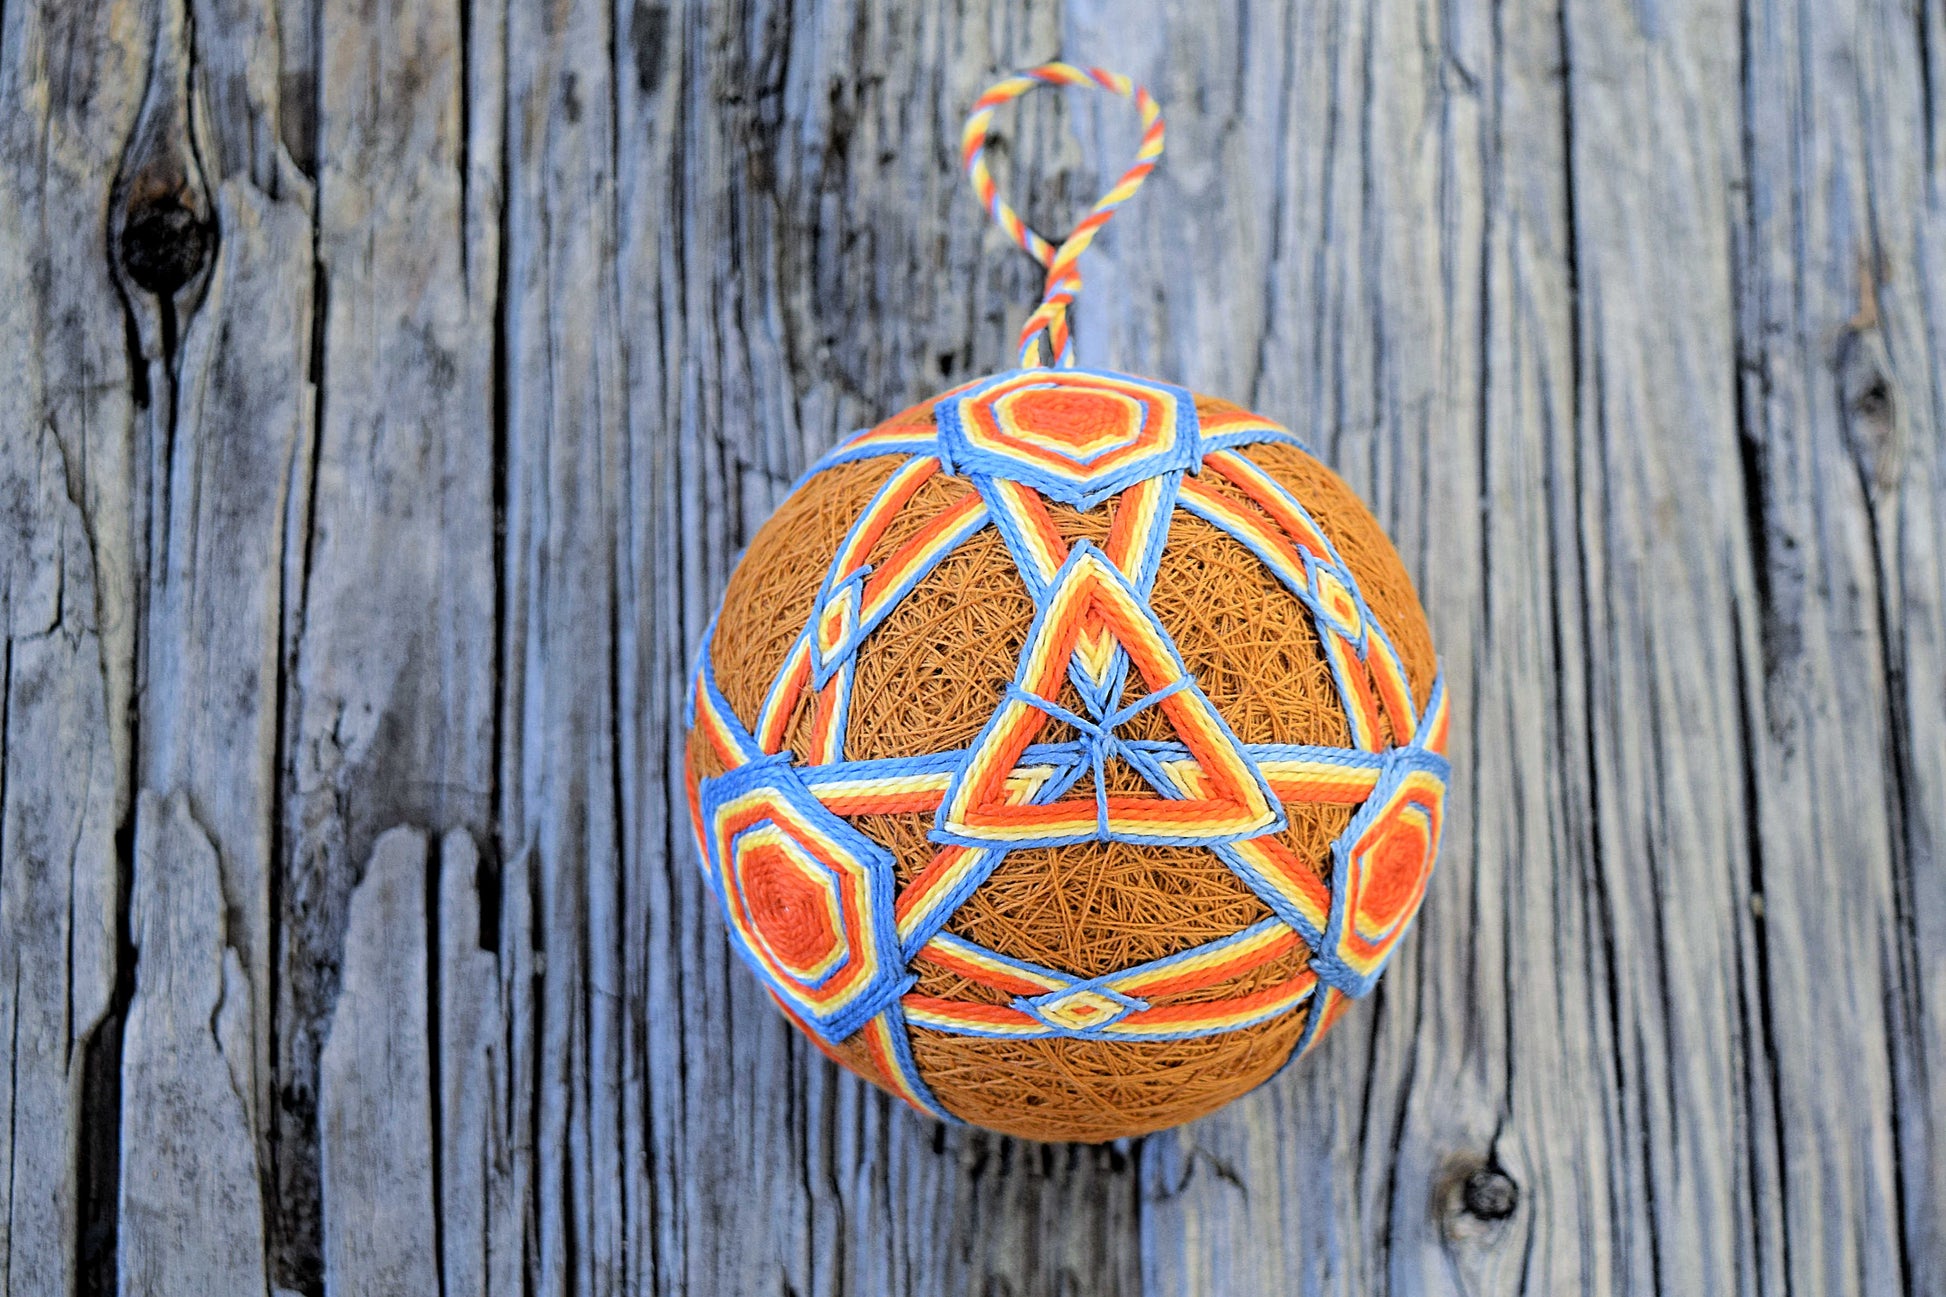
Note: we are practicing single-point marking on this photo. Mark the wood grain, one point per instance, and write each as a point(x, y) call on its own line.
point(391, 385)
point(191, 1210)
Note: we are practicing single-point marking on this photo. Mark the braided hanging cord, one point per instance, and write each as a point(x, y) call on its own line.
point(1063, 283)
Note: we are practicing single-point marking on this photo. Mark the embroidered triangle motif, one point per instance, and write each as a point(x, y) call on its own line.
point(1133, 547)
point(1232, 800)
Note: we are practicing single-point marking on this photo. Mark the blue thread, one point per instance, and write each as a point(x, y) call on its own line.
point(1268, 893)
point(920, 443)
point(773, 696)
point(747, 746)
point(1318, 1001)
point(901, 1039)
point(1435, 699)
point(1300, 590)
point(1028, 970)
point(942, 910)
point(1237, 438)
point(1018, 543)
point(1149, 558)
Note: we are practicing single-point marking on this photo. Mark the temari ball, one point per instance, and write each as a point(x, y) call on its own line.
point(1066, 751)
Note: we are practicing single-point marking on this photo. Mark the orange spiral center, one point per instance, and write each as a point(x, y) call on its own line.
point(1074, 420)
point(1394, 866)
point(789, 910)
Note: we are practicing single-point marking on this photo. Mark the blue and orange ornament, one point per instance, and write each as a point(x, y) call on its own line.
point(1125, 870)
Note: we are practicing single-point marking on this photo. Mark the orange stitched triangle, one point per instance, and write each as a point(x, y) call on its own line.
point(1091, 607)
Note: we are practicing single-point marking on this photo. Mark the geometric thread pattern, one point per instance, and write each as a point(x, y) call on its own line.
point(1231, 800)
point(808, 896)
point(812, 902)
point(1076, 435)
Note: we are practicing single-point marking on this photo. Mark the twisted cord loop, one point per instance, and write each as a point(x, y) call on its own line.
point(1063, 284)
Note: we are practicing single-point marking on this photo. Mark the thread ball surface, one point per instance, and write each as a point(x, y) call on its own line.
point(930, 677)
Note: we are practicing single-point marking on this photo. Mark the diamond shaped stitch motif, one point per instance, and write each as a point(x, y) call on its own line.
point(1081, 1009)
point(1336, 602)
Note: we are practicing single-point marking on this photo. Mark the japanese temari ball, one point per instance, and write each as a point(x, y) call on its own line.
point(1066, 752)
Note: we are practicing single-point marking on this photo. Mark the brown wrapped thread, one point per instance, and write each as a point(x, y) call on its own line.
point(932, 674)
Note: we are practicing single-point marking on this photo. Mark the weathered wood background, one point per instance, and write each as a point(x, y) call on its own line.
point(387, 387)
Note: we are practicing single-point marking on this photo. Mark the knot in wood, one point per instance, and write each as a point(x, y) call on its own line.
point(1490, 1194)
point(1870, 408)
point(1874, 403)
point(164, 245)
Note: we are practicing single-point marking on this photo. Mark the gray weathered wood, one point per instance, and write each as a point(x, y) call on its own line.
point(479, 1216)
point(374, 1086)
point(191, 1211)
point(67, 407)
point(392, 383)
point(57, 886)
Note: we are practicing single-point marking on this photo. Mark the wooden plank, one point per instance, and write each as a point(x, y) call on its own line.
point(58, 882)
point(479, 1204)
point(391, 727)
point(224, 445)
point(70, 80)
point(375, 1089)
point(191, 1213)
point(417, 1142)
point(563, 469)
point(238, 423)
point(1654, 493)
point(212, 245)
point(1842, 432)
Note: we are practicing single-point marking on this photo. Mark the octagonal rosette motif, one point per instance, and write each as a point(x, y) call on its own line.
point(808, 897)
point(1076, 435)
point(1382, 863)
